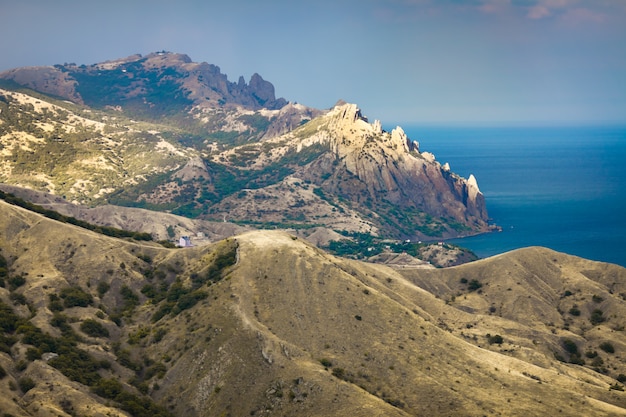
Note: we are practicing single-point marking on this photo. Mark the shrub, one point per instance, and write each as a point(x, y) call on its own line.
point(576, 359)
point(55, 303)
point(474, 285)
point(107, 388)
point(597, 317)
point(103, 287)
point(16, 282)
point(78, 365)
point(597, 299)
point(6, 342)
point(326, 363)
point(343, 374)
point(3, 373)
point(60, 320)
point(94, 328)
point(17, 298)
point(75, 297)
point(597, 362)
point(496, 339)
point(574, 311)
point(67, 407)
point(8, 319)
point(135, 337)
point(569, 346)
point(186, 301)
point(163, 310)
point(131, 300)
point(226, 255)
point(176, 291)
point(33, 354)
point(621, 378)
point(149, 291)
point(339, 373)
point(3, 267)
point(26, 384)
point(146, 258)
point(158, 334)
point(607, 347)
point(157, 369)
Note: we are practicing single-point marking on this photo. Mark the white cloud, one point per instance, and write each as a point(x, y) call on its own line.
point(538, 12)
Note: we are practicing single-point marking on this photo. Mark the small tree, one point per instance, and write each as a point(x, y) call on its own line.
point(474, 285)
point(607, 347)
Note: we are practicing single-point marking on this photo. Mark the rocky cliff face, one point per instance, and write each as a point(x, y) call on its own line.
point(393, 169)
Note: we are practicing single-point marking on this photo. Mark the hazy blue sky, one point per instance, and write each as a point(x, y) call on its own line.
point(424, 61)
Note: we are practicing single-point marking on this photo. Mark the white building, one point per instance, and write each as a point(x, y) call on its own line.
point(184, 242)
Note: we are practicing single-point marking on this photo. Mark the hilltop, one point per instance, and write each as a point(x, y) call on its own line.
point(144, 330)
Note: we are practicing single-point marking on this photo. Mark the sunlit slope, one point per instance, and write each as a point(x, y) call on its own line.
point(267, 324)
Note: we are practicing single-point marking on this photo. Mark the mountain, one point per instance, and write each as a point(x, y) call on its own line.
point(164, 133)
point(148, 82)
point(264, 323)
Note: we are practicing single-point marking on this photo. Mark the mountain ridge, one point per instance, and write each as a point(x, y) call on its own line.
point(200, 82)
point(157, 139)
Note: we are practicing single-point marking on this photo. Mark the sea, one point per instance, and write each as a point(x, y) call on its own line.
point(561, 187)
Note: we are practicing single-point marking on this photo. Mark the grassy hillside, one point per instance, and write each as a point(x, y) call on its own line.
point(267, 324)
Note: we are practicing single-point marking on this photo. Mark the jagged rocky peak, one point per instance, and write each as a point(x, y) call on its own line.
point(357, 131)
point(262, 89)
point(393, 169)
point(472, 188)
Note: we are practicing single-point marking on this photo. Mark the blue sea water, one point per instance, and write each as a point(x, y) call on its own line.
point(558, 187)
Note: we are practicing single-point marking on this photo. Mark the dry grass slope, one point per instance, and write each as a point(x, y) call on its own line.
point(280, 328)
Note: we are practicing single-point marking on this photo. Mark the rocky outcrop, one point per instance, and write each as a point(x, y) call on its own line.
point(290, 117)
point(48, 80)
point(263, 92)
point(194, 169)
point(392, 172)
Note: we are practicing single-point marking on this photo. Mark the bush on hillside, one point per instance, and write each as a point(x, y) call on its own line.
point(75, 296)
point(93, 328)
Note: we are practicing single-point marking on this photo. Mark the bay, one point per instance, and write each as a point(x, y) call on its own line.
point(560, 187)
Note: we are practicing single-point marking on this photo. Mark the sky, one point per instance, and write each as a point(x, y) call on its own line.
point(401, 61)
